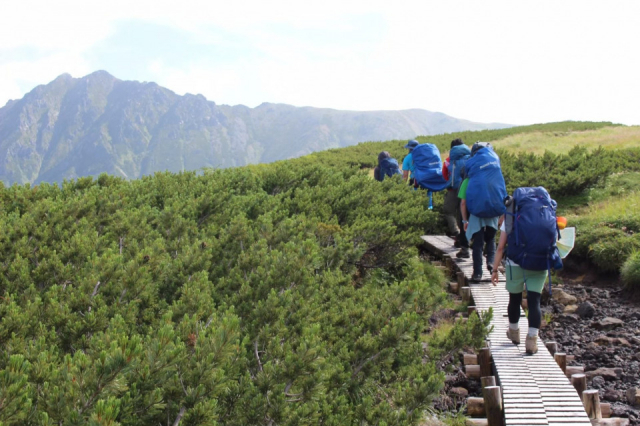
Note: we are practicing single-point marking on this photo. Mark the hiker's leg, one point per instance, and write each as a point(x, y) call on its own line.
point(449, 208)
point(490, 240)
point(535, 313)
point(513, 309)
point(478, 242)
point(462, 236)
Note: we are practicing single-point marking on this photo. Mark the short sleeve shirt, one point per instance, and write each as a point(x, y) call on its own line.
point(462, 194)
point(407, 164)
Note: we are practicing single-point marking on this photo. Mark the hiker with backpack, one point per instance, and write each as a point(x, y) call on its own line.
point(407, 163)
point(529, 232)
point(452, 169)
point(482, 195)
point(427, 171)
point(387, 166)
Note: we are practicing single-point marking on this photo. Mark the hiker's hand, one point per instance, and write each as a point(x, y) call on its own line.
point(466, 225)
point(494, 277)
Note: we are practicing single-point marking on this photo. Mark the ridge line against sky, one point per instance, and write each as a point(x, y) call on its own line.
point(492, 61)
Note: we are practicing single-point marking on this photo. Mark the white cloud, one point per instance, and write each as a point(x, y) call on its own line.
point(487, 61)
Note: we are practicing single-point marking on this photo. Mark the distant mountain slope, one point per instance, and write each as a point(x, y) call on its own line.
point(75, 127)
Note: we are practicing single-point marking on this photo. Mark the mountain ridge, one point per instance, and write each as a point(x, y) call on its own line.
point(74, 127)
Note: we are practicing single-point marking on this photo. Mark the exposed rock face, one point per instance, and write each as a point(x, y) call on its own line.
point(586, 310)
point(606, 324)
point(75, 127)
point(563, 297)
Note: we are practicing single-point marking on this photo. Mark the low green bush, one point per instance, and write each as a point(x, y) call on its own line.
point(630, 271)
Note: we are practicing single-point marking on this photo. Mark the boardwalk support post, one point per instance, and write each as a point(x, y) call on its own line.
point(591, 401)
point(465, 293)
point(493, 405)
point(561, 359)
point(472, 371)
point(488, 381)
point(448, 262)
point(579, 381)
point(475, 407)
point(461, 279)
point(552, 347)
point(484, 359)
point(574, 369)
point(470, 359)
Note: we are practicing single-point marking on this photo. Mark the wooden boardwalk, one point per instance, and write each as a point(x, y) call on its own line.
point(535, 391)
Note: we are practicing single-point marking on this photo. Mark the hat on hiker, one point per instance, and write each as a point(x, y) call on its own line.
point(456, 142)
point(411, 144)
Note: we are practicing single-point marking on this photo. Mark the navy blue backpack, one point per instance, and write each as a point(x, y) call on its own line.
point(388, 167)
point(428, 167)
point(458, 156)
point(532, 230)
point(486, 190)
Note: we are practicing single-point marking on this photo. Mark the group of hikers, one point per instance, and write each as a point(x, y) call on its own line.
point(477, 206)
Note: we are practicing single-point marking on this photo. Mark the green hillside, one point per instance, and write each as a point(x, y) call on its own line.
point(290, 293)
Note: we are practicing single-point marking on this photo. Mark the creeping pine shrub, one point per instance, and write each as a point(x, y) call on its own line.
point(606, 245)
point(630, 271)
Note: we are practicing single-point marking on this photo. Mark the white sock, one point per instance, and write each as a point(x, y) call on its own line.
point(513, 326)
point(533, 332)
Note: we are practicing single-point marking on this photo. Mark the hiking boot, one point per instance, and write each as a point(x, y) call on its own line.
point(476, 278)
point(514, 335)
point(531, 344)
point(490, 269)
point(463, 253)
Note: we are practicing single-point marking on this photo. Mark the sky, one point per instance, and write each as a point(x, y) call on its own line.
point(509, 61)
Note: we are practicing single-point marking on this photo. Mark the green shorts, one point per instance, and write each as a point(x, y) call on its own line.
point(516, 278)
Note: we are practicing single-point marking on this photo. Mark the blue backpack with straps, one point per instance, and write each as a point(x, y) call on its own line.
point(532, 230)
point(428, 167)
point(458, 156)
point(486, 190)
point(388, 167)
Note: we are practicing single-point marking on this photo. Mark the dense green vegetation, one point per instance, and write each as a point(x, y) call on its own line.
point(281, 294)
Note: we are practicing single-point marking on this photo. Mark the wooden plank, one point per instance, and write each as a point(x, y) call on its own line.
point(527, 422)
point(510, 416)
point(575, 423)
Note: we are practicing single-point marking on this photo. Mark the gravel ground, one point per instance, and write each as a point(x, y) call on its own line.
point(593, 318)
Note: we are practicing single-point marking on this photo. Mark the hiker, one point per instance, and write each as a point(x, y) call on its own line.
point(452, 173)
point(529, 232)
point(427, 169)
point(407, 163)
point(387, 166)
point(482, 195)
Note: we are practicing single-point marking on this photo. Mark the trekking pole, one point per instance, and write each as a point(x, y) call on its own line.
point(430, 195)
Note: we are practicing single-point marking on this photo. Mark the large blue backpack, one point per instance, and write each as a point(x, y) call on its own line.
point(532, 230)
point(458, 157)
point(486, 190)
point(428, 167)
point(388, 167)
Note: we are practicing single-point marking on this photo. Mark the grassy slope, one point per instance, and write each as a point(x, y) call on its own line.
point(562, 142)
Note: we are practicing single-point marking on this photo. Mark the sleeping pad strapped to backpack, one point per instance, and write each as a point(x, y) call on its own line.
point(532, 230)
point(486, 190)
point(428, 167)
